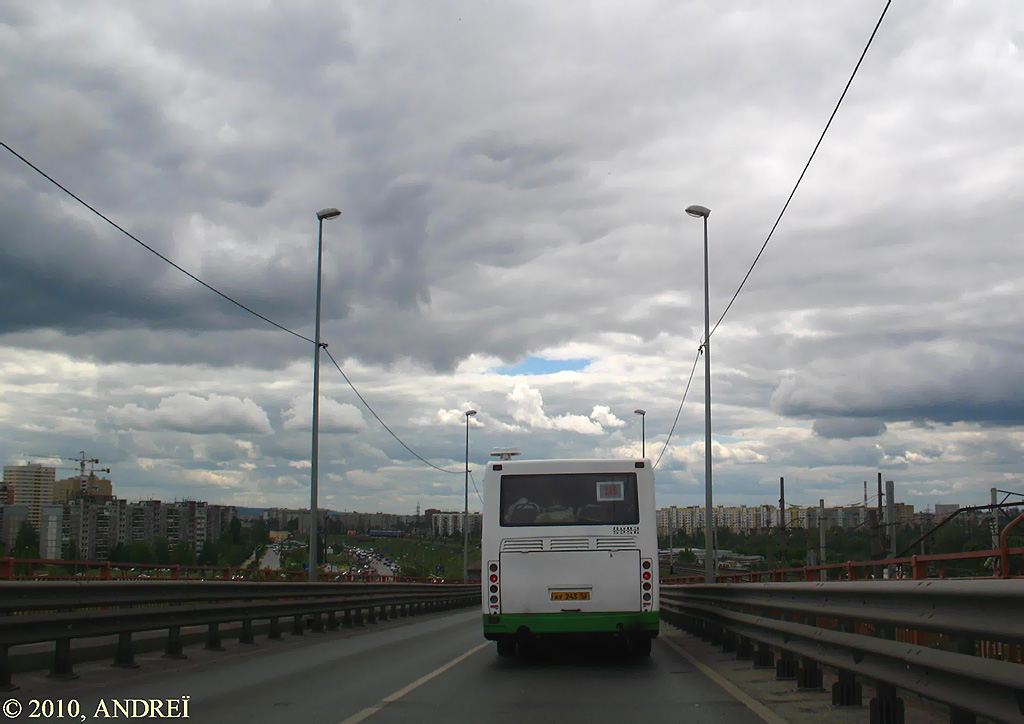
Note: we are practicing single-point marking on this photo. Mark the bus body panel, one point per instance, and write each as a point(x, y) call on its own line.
point(609, 579)
point(524, 563)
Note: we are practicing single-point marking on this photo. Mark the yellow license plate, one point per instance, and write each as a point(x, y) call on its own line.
point(570, 595)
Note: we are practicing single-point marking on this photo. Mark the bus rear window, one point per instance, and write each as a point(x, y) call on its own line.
point(569, 499)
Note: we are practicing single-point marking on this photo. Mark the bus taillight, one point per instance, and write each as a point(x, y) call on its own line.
point(493, 587)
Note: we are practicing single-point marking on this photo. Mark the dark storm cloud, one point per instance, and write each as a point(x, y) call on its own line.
point(838, 428)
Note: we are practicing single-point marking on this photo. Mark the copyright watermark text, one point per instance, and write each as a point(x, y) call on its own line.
point(72, 709)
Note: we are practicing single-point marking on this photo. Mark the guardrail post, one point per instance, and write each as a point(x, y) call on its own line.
point(346, 619)
point(394, 610)
point(809, 675)
point(332, 621)
point(174, 647)
point(403, 610)
point(125, 657)
point(62, 667)
point(763, 657)
point(5, 672)
point(298, 625)
point(274, 630)
point(318, 623)
point(357, 617)
point(105, 571)
point(744, 650)
point(886, 707)
point(785, 667)
point(384, 613)
point(213, 637)
point(7, 569)
point(371, 615)
point(728, 641)
point(246, 636)
point(961, 716)
point(847, 691)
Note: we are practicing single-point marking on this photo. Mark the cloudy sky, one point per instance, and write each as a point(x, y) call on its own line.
point(513, 177)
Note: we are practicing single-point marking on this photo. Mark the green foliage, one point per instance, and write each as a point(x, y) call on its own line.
point(70, 552)
point(26, 542)
point(183, 555)
point(208, 554)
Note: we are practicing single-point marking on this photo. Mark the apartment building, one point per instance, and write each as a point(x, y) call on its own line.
point(445, 524)
point(31, 486)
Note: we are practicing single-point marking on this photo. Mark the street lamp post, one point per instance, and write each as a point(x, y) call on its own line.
point(329, 213)
point(709, 513)
point(465, 518)
point(643, 432)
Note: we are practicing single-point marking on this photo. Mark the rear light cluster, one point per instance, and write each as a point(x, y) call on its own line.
point(647, 584)
point(492, 586)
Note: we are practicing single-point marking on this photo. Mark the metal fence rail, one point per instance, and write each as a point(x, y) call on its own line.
point(853, 627)
point(35, 612)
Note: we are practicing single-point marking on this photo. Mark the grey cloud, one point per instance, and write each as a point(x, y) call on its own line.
point(184, 412)
point(839, 428)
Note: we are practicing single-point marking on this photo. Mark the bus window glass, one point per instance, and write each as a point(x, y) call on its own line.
point(569, 499)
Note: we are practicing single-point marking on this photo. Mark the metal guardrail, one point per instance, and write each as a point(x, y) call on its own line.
point(855, 628)
point(38, 612)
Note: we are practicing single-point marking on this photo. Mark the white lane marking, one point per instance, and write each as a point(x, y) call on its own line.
point(753, 704)
point(390, 698)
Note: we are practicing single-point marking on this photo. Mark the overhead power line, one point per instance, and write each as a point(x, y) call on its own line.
point(384, 424)
point(669, 438)
point(150, 249)
point(474, 487)
point(806, 165)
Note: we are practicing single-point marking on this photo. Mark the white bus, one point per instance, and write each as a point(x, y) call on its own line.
point(569, 546)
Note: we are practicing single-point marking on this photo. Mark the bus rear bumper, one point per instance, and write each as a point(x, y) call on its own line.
point(571, 622)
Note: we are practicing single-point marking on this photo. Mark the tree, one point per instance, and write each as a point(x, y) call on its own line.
point(208, 554)
point(160, 550)
point(26, 542)
point(182, 554)
point(236, 531)
point(71, 551)
point(139, 552)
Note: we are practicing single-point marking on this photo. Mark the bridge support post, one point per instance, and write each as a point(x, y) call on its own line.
point(357, 617)
point(274, 630)
point(371, 615)
point(383, 613)
point(213, 637)
point(728, 641)
point(744, 650)
point(246, 636)
point(808, 677)
point(298, 625)
point(346, 619)
point(886, 707)
point(785, 667)
point(174, 648)
point(62, 666)
point(394, 610)
point(403, 610)
point(847, 691)
point(332, 621)
point(5, 672)
point(763, 657)
point(125, 656)
point(318, 623)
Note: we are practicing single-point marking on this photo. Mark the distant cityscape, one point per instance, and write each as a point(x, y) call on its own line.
point(82, 514)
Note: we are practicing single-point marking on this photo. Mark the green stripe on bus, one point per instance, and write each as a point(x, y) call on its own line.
point(571, 622)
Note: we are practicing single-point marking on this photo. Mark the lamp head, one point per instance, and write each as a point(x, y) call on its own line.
point(640, 412)
point(329, 213)
point(470, 413)
point(696, 210)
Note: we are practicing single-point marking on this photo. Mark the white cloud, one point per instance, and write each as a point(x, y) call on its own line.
point(335, 417)
point(528, 410)
point(184, 412)
point(602, 414)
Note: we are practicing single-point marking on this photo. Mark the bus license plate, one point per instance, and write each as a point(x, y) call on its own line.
point(570, 595)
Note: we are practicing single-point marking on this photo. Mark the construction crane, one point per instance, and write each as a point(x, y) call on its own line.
point(82, 461)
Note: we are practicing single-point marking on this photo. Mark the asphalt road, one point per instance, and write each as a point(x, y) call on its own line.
point(434, 670)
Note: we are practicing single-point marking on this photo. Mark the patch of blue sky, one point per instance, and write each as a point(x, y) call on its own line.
point(541, 366)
